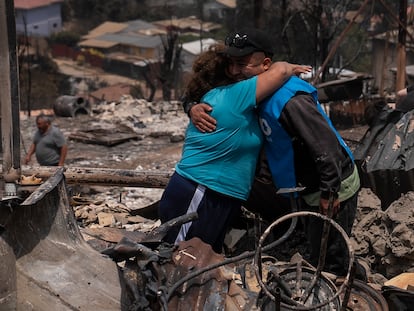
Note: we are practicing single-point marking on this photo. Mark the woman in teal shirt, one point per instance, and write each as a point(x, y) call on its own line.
point(216, 171)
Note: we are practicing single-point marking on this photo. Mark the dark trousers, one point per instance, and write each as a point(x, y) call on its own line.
point(215, 212)
point(337, 258)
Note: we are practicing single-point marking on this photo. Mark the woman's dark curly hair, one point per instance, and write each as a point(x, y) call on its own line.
point(209, 71)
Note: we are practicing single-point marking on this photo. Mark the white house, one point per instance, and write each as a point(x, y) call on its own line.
point(219, 9)
point(38, 17)
point(192, 49)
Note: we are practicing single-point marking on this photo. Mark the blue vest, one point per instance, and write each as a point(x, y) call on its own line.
point(278, 144)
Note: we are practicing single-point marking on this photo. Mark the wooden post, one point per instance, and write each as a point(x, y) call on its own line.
point(8, 274)
point(9, 94)
point(401, 58)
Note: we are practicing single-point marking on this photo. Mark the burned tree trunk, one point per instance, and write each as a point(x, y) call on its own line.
point(170, 64)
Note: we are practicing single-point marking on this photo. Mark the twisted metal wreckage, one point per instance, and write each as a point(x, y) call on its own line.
point(49, 263)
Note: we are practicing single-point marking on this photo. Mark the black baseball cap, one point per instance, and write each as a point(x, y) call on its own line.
point(246, 41)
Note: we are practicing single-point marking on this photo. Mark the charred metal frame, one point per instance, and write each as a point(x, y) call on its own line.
point(345, 286)
point(165, 294)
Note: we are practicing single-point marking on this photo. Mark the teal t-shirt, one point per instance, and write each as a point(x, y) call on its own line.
point(225, 160)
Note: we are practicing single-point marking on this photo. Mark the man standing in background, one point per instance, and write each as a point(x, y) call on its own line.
point(49, 144)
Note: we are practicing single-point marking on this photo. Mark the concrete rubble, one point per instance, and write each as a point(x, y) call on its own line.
point(386, 238)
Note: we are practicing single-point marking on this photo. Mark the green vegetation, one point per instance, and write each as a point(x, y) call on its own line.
point(68, 38)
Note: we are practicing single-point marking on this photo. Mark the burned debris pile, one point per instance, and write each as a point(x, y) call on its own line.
point(376, 242)
point(385, 239)
point(122, 224)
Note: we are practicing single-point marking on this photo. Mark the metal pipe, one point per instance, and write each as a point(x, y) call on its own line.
point(322, 250)
point(348, 289)
point(278, 299)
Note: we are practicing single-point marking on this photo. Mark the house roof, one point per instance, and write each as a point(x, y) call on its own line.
point(111, 39)
point(104, 28)
point(31, 4)
point(194, 47)
point(136, 33)
point(191, 23)
point(136, 27)
point(96, 43)
point(143, 27)
point(132, 39)
point(228, 3)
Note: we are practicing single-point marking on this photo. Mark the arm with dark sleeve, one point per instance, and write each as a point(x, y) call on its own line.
point(187, 104)
point(302, 120)
point(199, 114)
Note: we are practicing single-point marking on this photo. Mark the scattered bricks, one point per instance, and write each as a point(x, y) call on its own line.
point(106, 219)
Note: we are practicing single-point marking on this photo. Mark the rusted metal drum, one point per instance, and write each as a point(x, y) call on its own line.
point(364, 297)
point(70, 106)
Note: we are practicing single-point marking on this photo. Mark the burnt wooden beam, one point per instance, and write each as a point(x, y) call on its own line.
point(103, 176)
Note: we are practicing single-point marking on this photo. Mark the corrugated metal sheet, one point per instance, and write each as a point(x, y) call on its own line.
point(133, 40)
point(141, 26)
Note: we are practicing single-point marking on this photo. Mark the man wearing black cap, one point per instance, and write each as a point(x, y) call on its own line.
point(216, 170)
point(249, 41)
point(302, 147)
point(251, 53)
